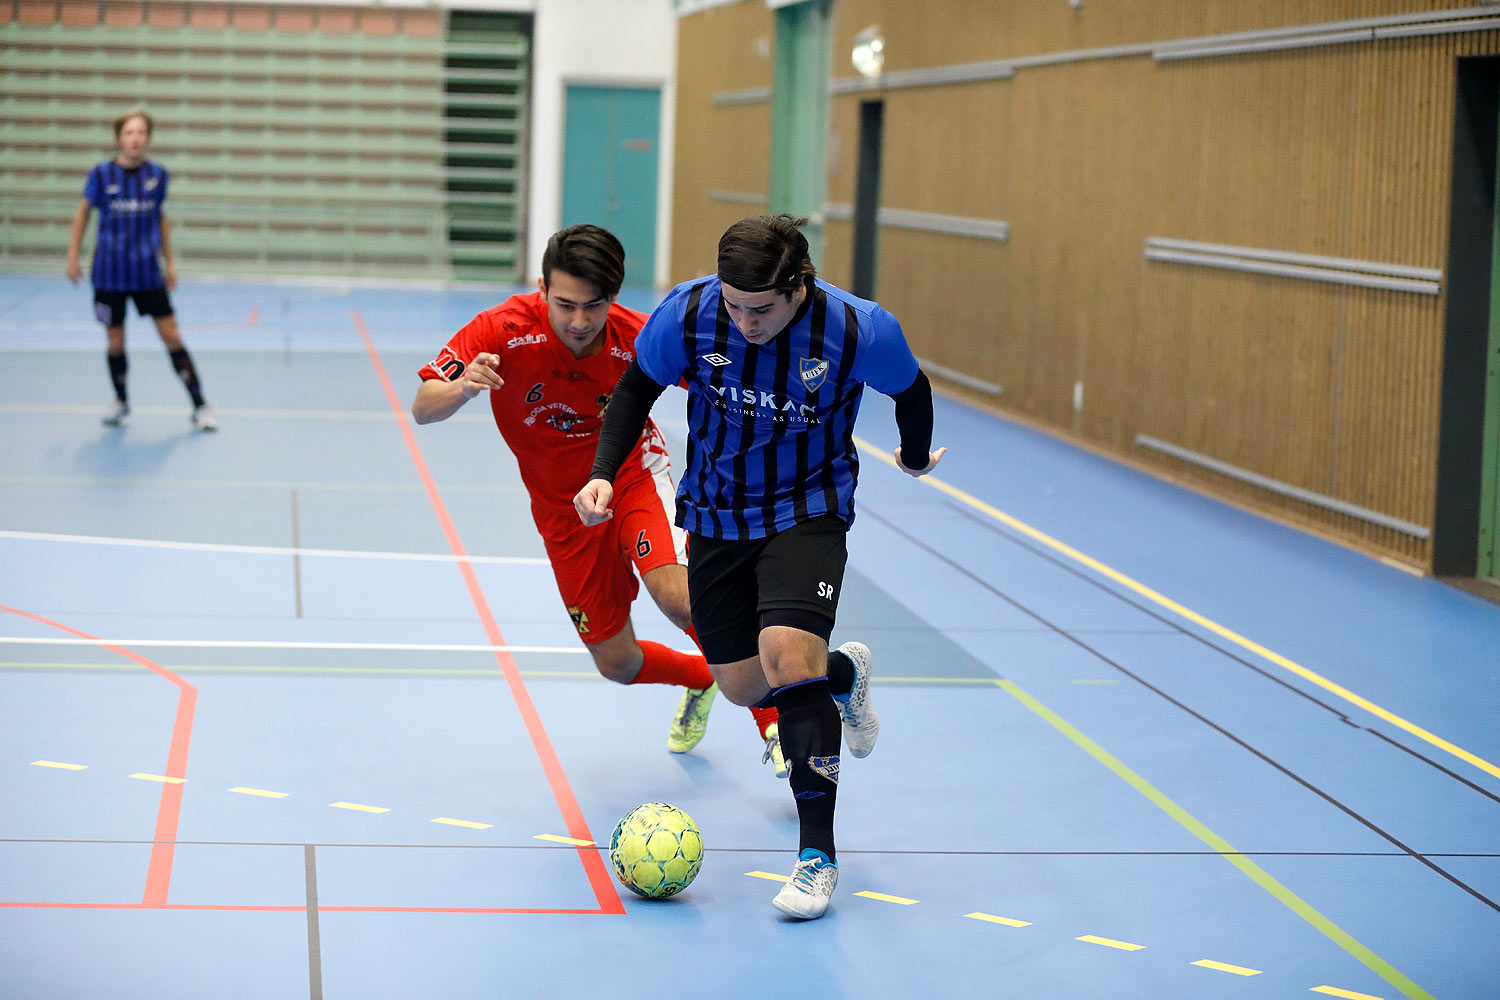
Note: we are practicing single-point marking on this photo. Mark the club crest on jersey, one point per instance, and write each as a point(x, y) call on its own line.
point(814, 371)
point(563, 421)
point(717, 360)
point(580, 619)
point(828, 767)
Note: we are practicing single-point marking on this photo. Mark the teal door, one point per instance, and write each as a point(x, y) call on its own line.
point(609, 169)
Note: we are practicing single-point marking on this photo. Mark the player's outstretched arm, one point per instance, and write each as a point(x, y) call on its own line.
point(914, 421)
point(592, 502)
point(438, 400)
point(624, 419)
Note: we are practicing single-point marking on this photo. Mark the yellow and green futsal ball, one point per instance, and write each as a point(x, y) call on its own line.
point(656, 850)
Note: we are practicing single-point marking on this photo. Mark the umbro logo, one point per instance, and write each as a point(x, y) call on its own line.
point(717, 360)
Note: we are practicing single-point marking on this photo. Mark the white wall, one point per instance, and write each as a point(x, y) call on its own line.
point(625, 42)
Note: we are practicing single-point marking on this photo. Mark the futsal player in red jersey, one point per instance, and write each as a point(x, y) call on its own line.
point(548, 361)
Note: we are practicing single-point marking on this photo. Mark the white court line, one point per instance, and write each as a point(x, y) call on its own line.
point(257, 413)
point(272, 550)
point(421, 647)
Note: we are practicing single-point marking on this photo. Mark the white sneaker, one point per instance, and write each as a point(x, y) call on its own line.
point(807, 892)
point(773, 751)
point(861, 724)
point(203, 419)
point(116, 414)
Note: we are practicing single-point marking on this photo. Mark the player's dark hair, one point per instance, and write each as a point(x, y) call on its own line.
point(133, 113)
point(766, 252)
point(586, 252)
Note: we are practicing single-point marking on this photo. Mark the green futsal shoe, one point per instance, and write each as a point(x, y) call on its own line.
point(691, 720)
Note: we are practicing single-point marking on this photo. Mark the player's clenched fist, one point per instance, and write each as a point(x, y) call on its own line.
point(481, 374)
point(592, 502)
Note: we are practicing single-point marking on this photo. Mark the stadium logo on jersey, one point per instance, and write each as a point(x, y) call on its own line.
point(814, 372)
point(580, 619)
point(564, 422)
point(530, 338)
point(828, 767)
point(448, 365)
point(717, 360)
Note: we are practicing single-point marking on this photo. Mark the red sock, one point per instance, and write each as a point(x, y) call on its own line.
point(667, 666)
point(764, 717)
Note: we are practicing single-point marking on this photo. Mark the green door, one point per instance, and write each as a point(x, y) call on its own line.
point(799, 114)
point(610, 154)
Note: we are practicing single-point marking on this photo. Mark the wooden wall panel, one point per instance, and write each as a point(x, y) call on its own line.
point(1338, 150)
point(720, 147)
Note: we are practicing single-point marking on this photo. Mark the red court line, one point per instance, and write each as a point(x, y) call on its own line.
point(159, 871)
point(593, 864)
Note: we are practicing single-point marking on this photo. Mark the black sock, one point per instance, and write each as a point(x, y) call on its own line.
point(840, 673)
point(117, 368)
point(810, 741)
point(187, 373)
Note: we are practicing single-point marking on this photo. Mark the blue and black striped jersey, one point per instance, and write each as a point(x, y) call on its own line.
point(771, 426)
point(128, 247)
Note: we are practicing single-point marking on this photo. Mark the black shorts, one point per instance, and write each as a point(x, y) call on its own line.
point(109, 307)
point(738, 588)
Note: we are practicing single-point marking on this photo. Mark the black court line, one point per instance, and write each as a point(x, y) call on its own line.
point(312, 889)
point(1351, 813)
point(1196, 636)
point(314, 947)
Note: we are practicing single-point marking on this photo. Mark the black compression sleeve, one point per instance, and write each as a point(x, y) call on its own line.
point(624, 419)
point(914, 421)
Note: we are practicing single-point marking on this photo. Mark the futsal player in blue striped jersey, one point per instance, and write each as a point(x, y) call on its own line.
point(775, 362)
point(133, 260)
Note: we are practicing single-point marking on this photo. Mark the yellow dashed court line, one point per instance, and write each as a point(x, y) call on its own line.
point(564, 840)
point(888, 899)
point(357, 807)
point(1238, 970)
point(1110, 943)
point(259, 791)
point(991, 918)
point(1334, 991)
point(59, 764)
point(159, 777)
point(1184, 612)
point(773, 878)
point(463, 822)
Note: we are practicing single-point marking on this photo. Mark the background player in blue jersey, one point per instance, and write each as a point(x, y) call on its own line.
point(775, 362)
point(133, 259)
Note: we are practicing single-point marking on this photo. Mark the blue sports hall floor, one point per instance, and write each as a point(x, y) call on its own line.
point(293, 709)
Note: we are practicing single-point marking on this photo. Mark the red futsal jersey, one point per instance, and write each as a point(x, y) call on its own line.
point(552, 404)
